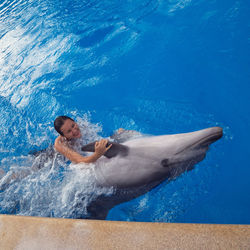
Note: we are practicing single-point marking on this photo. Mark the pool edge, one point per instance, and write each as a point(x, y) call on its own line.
point(21, 232)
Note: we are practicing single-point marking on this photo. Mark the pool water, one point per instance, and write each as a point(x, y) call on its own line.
point(158, 67)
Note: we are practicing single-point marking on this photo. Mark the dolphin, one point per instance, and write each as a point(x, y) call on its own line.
point(138, 165)
point(135, 166)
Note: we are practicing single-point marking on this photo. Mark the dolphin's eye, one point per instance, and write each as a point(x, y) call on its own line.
point(165, 163)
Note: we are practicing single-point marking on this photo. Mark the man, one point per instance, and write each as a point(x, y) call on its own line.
point(69, 131)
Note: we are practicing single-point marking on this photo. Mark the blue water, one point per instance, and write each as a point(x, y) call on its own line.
point(158, 67)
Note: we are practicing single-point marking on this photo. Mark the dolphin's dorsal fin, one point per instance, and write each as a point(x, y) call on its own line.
point(116, 149)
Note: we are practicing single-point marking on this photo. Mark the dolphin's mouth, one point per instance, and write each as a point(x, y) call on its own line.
point(210, 139)
point(204, 142)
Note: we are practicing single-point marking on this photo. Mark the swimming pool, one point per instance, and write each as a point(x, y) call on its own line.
point(158, 67)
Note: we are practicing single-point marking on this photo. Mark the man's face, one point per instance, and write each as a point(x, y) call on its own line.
point(71, 130)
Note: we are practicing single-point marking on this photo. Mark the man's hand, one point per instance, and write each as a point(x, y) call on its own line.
point(59, 143)
point(100, 147)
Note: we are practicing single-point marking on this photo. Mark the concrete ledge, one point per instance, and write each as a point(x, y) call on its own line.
point(18, 232)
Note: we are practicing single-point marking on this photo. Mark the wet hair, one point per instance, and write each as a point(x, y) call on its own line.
point(59, 121)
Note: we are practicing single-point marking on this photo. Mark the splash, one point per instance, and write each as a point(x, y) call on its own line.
point(44, 184)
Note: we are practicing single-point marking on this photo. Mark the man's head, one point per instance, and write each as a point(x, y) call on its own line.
point(67, 127)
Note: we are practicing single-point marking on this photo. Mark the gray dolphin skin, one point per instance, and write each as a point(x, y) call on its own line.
point(136, 166)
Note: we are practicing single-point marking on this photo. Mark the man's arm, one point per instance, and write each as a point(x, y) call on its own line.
point(100, 149)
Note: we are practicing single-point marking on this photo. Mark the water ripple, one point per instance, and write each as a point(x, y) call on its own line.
point(58, 39)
